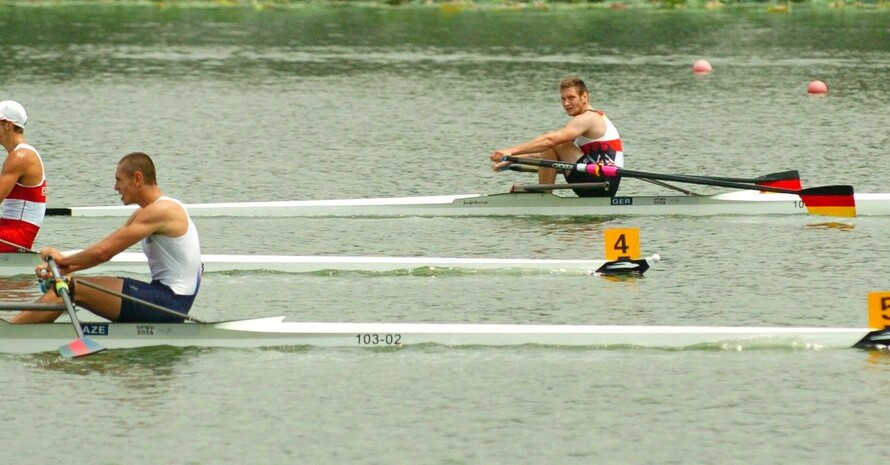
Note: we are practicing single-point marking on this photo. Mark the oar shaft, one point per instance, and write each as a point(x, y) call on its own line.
point(542, 187)
point(614, 171)
point(605, 170)
point(522, 169)
point(523, 166)
point(32, 306)
point(783, 176)
point(62, 289)
point(669, 186)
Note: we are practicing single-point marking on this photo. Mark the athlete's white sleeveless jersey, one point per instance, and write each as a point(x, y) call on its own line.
point(175, 261)
point(606, 149)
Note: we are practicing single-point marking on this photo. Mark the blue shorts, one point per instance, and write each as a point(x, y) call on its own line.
point(158, 294)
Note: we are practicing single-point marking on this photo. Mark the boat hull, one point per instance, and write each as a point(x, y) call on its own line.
point(12, 264)
point(512, 204)
point(274, 332)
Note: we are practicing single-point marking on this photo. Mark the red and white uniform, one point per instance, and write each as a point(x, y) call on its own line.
point(607, 149)
point(23, 211)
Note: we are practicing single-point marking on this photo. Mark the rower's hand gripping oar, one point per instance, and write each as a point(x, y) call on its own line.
point(106, 290)
point(82, 345)
point(835, 200)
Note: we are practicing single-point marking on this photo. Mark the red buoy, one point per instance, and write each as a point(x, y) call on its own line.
point(817, 87)
point(701, 67)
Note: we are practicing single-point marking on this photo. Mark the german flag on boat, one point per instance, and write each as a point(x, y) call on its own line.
point(829, 201)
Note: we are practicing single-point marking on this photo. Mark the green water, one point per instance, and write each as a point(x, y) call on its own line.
point(340, 102)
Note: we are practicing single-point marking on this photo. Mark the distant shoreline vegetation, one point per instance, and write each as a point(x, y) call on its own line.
point(456, 6)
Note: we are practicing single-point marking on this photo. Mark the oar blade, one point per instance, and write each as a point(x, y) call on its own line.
point(80, 347)
point(782, 180)
point(830, 201)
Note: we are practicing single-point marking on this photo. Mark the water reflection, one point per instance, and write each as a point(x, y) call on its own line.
point(151, 370)
point(878, 360)
point(19, 289)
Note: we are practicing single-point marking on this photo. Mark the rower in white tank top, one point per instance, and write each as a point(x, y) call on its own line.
point(607, 149)
point(175, 261)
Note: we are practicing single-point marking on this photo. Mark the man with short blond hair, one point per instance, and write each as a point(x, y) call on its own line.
point(589, 137)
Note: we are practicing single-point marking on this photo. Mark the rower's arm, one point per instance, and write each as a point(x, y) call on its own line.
point(13, 169)
point(143, 223)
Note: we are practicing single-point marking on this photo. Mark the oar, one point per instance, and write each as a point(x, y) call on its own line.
point(792, 175)
point(825, 200)
point(670, 186)
point(784, 179)
point(82, 345)
point(106, 290)
point(32, 306)
point(522, 168)
point(787, 179)
point(544, 187)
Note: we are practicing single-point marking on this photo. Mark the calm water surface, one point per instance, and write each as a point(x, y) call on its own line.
point(347, 102)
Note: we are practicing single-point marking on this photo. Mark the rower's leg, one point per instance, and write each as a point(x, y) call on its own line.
point(547, 175)
point(32, 316)
point(101, 303)
point(568, 153)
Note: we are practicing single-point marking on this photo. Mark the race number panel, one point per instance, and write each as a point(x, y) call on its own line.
point(622, 243)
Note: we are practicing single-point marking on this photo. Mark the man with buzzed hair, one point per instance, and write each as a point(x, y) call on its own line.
point(169, 240)
point(589, 137)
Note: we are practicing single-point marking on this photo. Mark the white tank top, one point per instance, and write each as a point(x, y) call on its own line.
point(610, 139)
point(175, 261)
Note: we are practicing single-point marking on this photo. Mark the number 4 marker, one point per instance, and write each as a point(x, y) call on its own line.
point(622, 243)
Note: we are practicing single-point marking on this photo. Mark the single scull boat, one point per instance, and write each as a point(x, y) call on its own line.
point(275, 332)
point(12, 264)
point(743, 202)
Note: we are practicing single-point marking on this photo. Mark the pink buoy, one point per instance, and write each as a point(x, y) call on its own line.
point(817, 87)
point(701, 67)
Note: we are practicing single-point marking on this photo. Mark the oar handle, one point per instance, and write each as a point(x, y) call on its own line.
point(522, 169)
point(559, 165)
point(61, 287)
